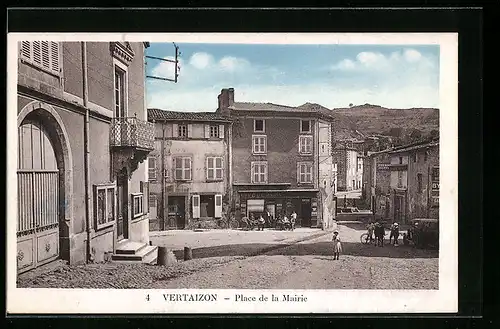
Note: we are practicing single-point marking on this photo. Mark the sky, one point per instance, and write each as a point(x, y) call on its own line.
point(331, 75)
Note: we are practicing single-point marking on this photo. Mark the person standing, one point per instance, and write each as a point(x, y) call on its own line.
point(293, 219)
point(379, 234)
point(337, 245)
point(394, 234)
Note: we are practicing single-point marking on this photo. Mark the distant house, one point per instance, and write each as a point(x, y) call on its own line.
point(349, 165)
point(377, 182)
point(83, 142)
point(189, 169)
point(281, 159)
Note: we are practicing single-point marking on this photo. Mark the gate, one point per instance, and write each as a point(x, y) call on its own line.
point(38, 218)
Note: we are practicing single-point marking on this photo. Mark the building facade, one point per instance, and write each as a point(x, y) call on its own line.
point(415, 181)
point(276, 159)
point(189, 169)
point(83, 138)
point(349, 166)
point(377, 183)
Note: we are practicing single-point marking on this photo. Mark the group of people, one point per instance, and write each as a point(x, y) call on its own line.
point(377, 229)
point(280, 223)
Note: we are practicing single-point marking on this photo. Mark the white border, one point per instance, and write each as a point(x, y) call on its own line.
point(319, 301)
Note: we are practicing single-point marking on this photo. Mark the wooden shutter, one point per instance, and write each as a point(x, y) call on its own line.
point(221, 131)
point(175, 130)
point(45, 55)
point(189, 130)
point(152, 168)
point(252, 173)
point(207, 131)
point(25, 50)
point(37, 52)
point(54, 57)
point(196, 206)
point(298, 172)
point(218, 206)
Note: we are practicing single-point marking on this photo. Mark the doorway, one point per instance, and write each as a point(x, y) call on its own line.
point(176, 212)
point(398, 208)
point(207, 206)
point(122, 203)
point(305, 212)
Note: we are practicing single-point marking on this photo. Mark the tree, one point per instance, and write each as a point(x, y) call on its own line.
point(351, 104)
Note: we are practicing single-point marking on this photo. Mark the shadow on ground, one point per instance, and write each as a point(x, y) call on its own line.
point(310, 249)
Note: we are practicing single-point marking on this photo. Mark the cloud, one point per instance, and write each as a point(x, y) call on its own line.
point(230, 63)
point(201, 60)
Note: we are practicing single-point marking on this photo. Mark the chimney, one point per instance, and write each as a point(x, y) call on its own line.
point(226, 98)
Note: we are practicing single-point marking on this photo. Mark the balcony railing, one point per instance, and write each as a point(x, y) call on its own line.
point(132, 132)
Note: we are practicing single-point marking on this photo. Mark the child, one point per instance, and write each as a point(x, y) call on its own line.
point(337, 246)
point(371, 228)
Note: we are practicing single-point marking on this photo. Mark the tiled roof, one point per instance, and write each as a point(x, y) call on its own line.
point(164, 115)
point(406, 148)
point(271, 107)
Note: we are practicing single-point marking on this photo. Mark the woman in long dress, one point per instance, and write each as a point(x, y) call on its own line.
point(337, 245)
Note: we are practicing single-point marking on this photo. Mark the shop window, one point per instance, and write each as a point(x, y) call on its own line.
point(104, 205)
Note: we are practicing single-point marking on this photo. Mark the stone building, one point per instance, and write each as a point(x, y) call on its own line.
point(377, 179)
point(83, 138)
point(415, 181)
point(189, 170)
point(349, 165)
point(281, 159)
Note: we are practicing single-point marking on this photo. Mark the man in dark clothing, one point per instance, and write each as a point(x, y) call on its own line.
point(379, 234)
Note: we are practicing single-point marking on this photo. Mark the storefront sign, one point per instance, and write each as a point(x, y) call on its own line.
point(435, 186)
point(382, 166)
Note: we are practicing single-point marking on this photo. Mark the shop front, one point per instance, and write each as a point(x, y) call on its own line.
point(280, 203)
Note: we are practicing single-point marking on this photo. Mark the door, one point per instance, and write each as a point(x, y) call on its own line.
point(37, 199)
point(122, 219)
point(398, 207)
point(218, 206)
point(305, 213)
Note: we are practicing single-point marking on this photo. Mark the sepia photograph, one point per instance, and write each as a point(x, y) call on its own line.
point(190, 167)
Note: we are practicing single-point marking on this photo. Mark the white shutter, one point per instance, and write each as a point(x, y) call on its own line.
point(298, 172)
point(207, 131)
point(189, 130)
point(54, 57)
point(25, 50)
point(196, 206)
point(45, 55)
point(175, 130)
point(221, 131)
point(218, 206)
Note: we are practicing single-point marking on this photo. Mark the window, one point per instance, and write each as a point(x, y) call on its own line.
point(43, 54)
point(182, 168)
point(400, 178)
point(400, 160)
point(137, 206)
point(414, 157)
point(214, 131)
point(152, 168)
point(419, 183)
point(182, 131)
point(259, 172)
point(305, 126)
point(120, 93)
point(104, 205)
point(214, 168)
point(259, 125)
point(152, 201)
point(305, 144)
point(259, 144)
point(144, 188)
point(305, 172)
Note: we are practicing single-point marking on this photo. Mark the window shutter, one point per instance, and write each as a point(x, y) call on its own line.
point(54, 56)
point(196, 206)
point(189, 130)
point(175, 130)
point(45, 55)
point(37, 52)
point(207, 131)
point(218, 206)
point(26, 50)
point(221, 131)
point(252, 173)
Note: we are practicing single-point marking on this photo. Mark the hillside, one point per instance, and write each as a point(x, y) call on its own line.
point(370, 119)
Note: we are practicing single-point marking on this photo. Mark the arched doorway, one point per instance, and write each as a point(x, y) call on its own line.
point(43, 228)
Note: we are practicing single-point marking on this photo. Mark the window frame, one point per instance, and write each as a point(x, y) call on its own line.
point(180, 127)
point(255, 126)
point(30, 60)
point(104, 187)
point(301, 126)
point(254, 164)
point(306, 138)
point(214, 168)
point(140, 198)
point(308, 164)
point(264, 137)
point(216, 128)
point(183, 168)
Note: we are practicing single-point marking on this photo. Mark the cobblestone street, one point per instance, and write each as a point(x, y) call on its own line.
point(301, 259)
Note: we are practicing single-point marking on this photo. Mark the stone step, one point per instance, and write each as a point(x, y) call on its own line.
point(144, 255)
point(128, 247)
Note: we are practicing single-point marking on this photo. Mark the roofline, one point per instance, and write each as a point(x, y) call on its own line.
point(408, 148)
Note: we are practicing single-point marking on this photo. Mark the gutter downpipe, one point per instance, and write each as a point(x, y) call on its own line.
point(86, 136)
